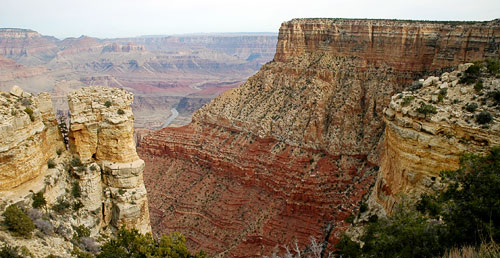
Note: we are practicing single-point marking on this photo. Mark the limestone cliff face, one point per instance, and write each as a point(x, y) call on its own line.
point(101, 130)
point(290, 153)
point(418, 147)
point(403, 45)
point(29, 137)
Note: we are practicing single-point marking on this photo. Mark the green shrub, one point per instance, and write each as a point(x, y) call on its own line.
point(107, 103)
point(29, 111)
point(493, 66)
point(61, 206)
point(8, 251)
point(349, 219)
point(471, 107)
point(59, 151)
point(130, 243)
point(76, 191)
point(17, 221)
point(407, 100)
point(38, 200)
point(478, 86)
point(121, 191)
point(81, 231)
point(484, 118)
point(363, 207)
point(466, 212)
point(77, 206)
point(471, 74)
point(426, 109)
point(51, 163)
point(121, 112)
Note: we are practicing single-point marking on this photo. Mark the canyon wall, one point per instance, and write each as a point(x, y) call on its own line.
point(292, 152)
point(418, 146)
point(29, 137)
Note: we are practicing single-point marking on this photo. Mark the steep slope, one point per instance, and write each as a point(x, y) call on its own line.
point(419, 145)
point(289, 154)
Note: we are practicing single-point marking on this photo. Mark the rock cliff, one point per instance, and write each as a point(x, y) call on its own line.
point(29, 137)
point(97, 184)
point(419, 145)
point(102, 131)
point(291, 153)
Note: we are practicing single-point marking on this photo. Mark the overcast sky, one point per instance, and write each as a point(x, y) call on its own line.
point(126, 18)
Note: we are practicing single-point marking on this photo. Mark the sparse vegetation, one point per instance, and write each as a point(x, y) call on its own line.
point(51, 163)
point(29, 111)
point(76, 206)
point(76, 191)
point(426, 109)
point(59, 151)
point(38, 200)
point(407, 100)
point(61, 206)
point(471, 107)
point(17, 221)
point(121, 112)
point(484, 117)
point(107, 103)
point(8, 251)
point(121, 191)
point(465, 213)
point(131, 243)
point(471, 74)
point(493, 66)
point(478, 86)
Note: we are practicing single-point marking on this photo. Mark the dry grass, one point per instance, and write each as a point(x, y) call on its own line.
point(486, 250)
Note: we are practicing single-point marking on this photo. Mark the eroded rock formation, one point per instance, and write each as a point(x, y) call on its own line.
point(419, 146)
point(29, 137)
point(101, 194)
point(101, 131)
point(290, 153)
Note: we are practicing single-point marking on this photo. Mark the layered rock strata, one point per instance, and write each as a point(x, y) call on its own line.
point(290, 153)
point(419, 146)
point(29, 137)
point(101, 130)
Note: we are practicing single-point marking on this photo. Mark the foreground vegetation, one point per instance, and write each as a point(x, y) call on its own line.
point(465, 214)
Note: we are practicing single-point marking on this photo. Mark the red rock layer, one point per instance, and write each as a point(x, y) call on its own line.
point(289, 154)
point(233, 193)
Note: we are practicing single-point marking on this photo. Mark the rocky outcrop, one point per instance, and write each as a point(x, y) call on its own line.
point(290, 153)
point(101, 194)
point(418, 146)
point(29, 137)
point(101, 130)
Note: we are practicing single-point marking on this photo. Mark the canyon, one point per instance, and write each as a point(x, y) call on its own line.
point(160, 70)
point(295, 150)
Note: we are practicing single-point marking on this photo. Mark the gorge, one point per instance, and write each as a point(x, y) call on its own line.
point(294, 151)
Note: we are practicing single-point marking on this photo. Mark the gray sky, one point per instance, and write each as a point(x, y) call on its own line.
point(125, 18)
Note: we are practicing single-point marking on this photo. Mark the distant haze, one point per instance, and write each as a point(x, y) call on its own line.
point(127, 18)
